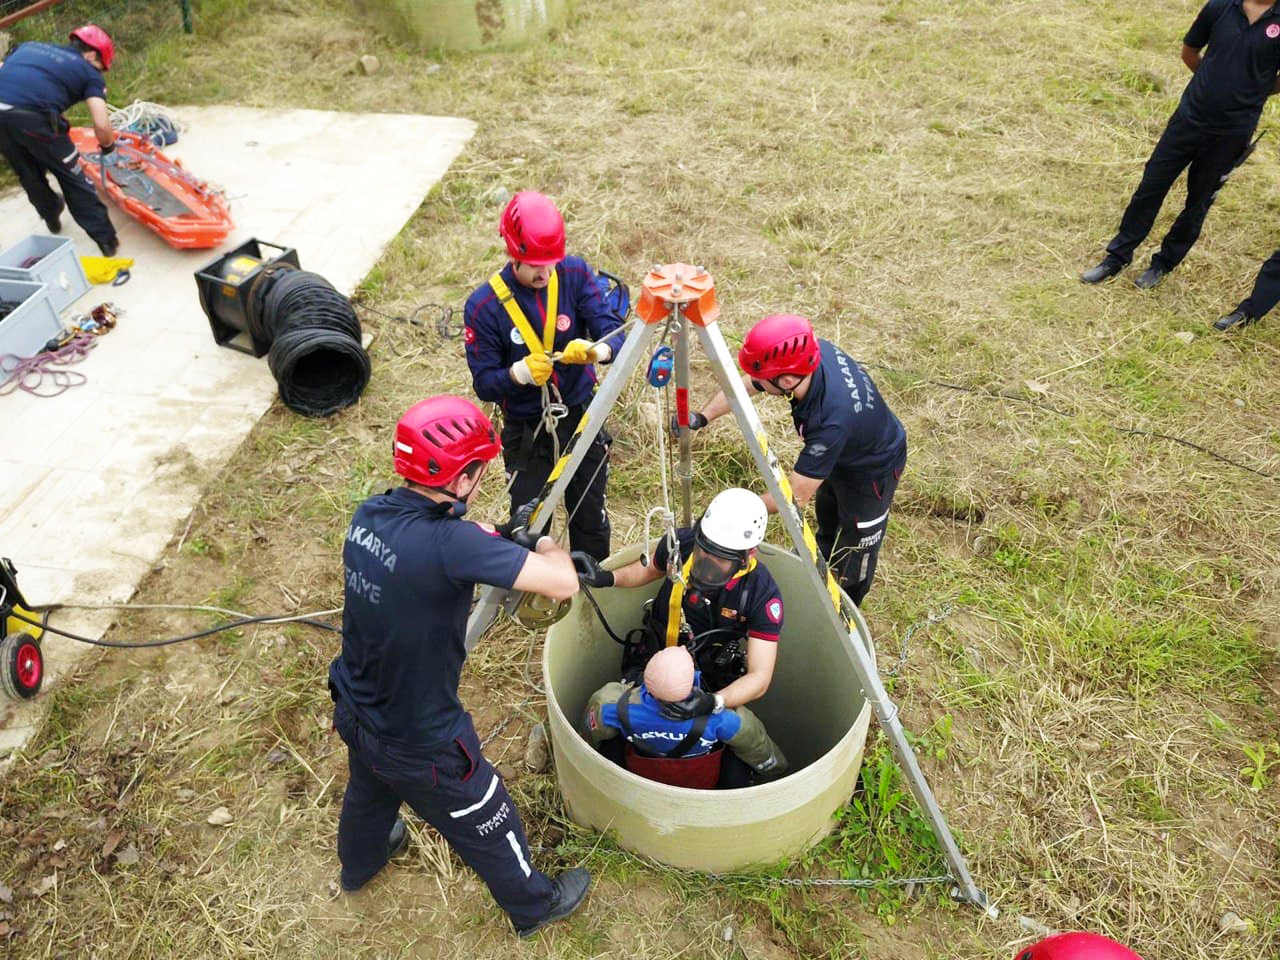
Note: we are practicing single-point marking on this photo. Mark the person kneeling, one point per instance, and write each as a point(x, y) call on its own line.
point(666, 735)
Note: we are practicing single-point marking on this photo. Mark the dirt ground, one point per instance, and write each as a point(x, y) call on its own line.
point(1089, 511)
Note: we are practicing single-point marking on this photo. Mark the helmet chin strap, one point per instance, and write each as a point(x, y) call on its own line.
point(789, 394)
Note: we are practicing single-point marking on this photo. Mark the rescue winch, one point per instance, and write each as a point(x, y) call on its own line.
point(21, 662)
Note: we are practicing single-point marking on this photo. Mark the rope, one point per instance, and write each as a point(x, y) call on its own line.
point(143, 117)
point(30, 374)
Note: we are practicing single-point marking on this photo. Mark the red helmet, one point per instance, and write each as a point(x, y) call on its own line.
point(778, 345)
point(96, 37)
point(1076, 946)
point(533, 229)
point(439, 436)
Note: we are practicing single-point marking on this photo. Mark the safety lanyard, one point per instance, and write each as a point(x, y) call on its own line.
point(675, 606)
point(508, 301)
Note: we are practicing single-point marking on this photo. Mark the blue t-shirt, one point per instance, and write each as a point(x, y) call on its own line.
point(1238, 71)
point(45, 77)
point(409, 570)
point(651, 730)
point(494, 344)
point(849, 432)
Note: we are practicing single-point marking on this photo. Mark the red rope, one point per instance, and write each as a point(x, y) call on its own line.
point(31, 373)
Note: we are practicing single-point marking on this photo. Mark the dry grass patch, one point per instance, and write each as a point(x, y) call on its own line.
point(925, 182)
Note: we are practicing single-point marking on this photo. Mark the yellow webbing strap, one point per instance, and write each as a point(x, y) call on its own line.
point(508, 301)
point(674, 609)
point(677, 596)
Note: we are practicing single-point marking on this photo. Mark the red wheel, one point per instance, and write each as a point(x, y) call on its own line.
point(21, 666)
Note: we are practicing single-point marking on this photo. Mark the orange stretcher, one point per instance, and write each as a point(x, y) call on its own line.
point(159, 193)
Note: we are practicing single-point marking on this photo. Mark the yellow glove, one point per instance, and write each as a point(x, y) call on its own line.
point(533, 371)
point(582, 351)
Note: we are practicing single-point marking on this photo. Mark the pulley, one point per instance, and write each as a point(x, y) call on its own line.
point(661, 365)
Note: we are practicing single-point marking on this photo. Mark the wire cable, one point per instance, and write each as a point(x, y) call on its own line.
point(1036, 404)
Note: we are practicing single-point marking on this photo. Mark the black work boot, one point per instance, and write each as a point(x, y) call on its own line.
point(54, 221)
point(1151, 277)
point(109, 247)
point(397, 840)
point(1236, 318)
point(570, 890)
point(1105, 270)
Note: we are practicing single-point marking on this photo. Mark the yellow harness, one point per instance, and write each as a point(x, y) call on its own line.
point(508, 301)
point(675, 602)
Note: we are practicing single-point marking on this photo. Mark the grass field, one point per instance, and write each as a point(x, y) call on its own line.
point(1098, 711)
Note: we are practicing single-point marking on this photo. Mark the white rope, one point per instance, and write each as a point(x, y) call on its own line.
point(141, 112)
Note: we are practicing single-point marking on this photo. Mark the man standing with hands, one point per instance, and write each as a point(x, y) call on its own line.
point(1209, 132)
point(410, 566)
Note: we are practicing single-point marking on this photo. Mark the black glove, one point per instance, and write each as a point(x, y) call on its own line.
point(696, 422)
point(589, 570)
point(519, 520)
point(526, 538)
point(699, 703)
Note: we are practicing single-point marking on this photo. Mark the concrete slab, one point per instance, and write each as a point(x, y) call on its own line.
point(89, 492)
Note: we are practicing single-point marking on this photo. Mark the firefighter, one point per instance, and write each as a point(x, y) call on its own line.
point(721, 601)
point(1208, 134)
point(38, 82)
point(410, 565)
point(855, 449)
point(533, 333)
point(681, 752)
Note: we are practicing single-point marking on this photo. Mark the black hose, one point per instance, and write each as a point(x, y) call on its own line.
point(43, 624)
point(315, 356)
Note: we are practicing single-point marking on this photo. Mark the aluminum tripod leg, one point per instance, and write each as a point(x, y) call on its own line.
point(844, 626)
point(492, 599)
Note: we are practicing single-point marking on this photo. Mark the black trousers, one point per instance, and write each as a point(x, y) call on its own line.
point(36, 145)
point(453, 788)
point(1208, 158)
point(1266, 289)
point(852, 516)
point(531, 458)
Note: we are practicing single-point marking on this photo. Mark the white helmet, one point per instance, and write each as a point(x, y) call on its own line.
point(730, 528)
point(735, 519)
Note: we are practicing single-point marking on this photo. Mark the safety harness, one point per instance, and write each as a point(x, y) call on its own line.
point(675, 605)
point(689, 741)
point(553, 411)
point(521, 322)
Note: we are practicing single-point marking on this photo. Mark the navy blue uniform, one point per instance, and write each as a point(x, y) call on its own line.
point(409, 569)
point(749, 605)
point(494, 344)
point(38, 82)
point(856, 446)
point(1209, 131)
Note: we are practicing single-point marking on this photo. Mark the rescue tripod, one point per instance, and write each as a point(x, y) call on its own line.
point(675, 297)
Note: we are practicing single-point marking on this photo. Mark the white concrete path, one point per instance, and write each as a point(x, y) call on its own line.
point(95, 482)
